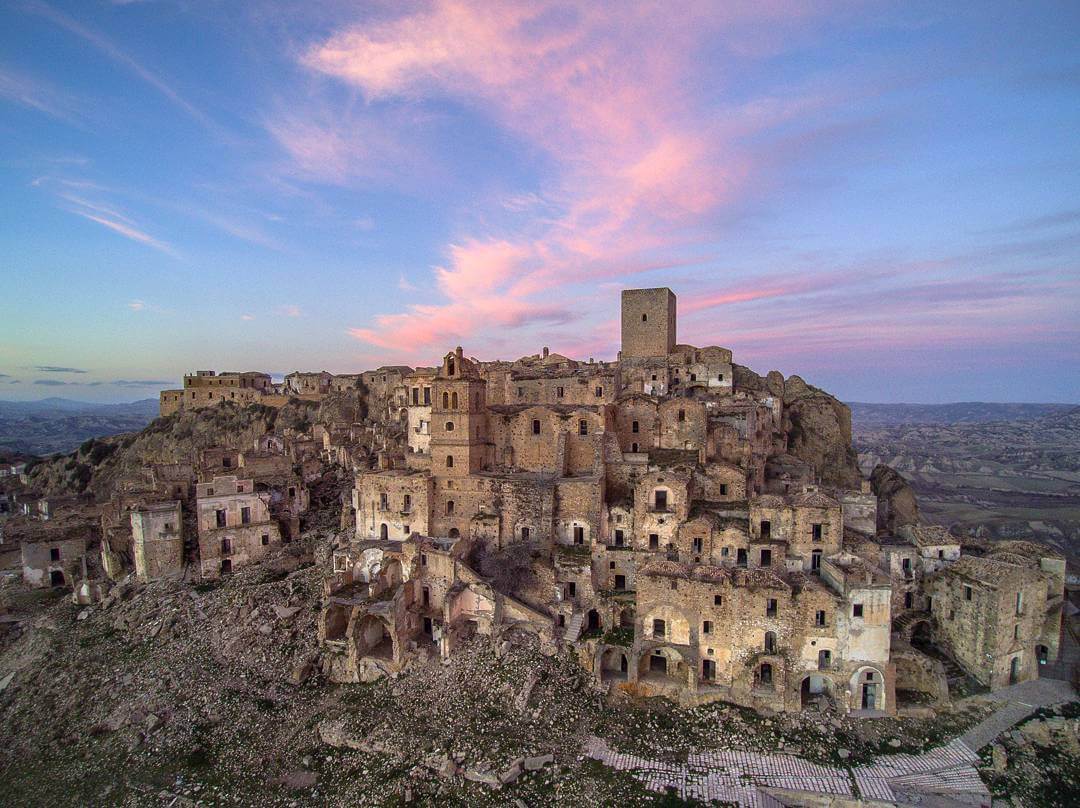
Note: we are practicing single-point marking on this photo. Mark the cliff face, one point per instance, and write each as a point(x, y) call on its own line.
point(817, 425)
point(896, 499)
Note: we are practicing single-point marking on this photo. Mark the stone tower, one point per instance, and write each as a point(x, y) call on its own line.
point(648, 322)
point(458, 434)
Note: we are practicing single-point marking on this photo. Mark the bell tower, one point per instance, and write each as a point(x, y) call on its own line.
point(458, 418)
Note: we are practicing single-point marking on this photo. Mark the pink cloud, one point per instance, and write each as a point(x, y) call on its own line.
point(606, 90)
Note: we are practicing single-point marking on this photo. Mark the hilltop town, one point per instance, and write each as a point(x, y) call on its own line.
point(667, 524)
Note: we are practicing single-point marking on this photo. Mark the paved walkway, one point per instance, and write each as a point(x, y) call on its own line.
point(745, 778)
point(1019, 702)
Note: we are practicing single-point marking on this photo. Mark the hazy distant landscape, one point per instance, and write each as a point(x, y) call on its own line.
point(60, 425)
point(997, 470)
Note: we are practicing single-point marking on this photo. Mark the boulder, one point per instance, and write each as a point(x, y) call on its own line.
point(897, 505)
point(535, 764)
point(286, 612)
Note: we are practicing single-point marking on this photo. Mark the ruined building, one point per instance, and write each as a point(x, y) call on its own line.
point(681, 537)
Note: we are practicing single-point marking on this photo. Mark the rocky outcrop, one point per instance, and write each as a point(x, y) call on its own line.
point(818, 429)
point(817, 425)
point(897, 505)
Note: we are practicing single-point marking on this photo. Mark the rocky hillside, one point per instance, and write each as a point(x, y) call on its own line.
point(168, 694)
point(97, 464)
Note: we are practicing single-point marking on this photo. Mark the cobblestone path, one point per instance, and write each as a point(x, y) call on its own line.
point(746, 778)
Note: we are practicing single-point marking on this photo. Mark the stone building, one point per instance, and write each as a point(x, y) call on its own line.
point(207, 388)
point(158, 540)
point(989, 615)
point(234, 523)
point(676, 541)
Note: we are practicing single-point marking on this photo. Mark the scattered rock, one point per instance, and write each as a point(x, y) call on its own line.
point(534, 764)
point(285, 612)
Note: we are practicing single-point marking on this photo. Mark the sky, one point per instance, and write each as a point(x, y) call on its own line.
point(883, 198)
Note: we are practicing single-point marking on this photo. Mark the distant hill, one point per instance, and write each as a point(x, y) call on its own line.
point(965, 412)
point(60, 424)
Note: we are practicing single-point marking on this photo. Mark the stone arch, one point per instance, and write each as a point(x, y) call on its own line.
point(676, 628)
point(56, 578)
point(663, 663)
point(614, 664)
point(335, 622)
point(373, 638)
point(592, 620)
point(868, 689)
point(816, 687)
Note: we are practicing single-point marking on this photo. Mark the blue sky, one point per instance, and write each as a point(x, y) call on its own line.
point(881, 197)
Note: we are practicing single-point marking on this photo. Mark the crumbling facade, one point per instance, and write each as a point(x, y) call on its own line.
point(688, 553)
point(234, 525)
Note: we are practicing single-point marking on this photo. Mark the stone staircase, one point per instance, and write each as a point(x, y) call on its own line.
point(573, 628)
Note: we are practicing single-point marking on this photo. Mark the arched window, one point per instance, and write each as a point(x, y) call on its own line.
point(449, 461)
point(770, 642)
point(449, 426)
point(384, 531)
point(450, 507)
point(453, 401)
point(644, 318)
point(446, 401)
point(450, 367)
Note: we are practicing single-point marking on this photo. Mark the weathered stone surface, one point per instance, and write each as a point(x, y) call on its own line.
point(897, 505)
point(538, 762)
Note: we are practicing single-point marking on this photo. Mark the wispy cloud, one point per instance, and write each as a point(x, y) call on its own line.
point(37, 95)
point(56, 369)
point(605, 98)
point(107, 216)
point(247, 317)
point(141, 383)
point(290, 311)
point(104, 45)
point(137, 305)
point(128, 231)
point(51, 382)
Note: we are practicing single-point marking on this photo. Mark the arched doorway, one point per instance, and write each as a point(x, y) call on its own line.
point(592, 620)
point(815, 691)
point(56, 578)
point(663, 665)
point(384, 531)
point(868, 690)
point(614, 664)
point(373, 639)
point(921, 635)
point(1014, 670)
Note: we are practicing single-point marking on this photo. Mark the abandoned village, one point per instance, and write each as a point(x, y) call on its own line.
point(683, 526)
